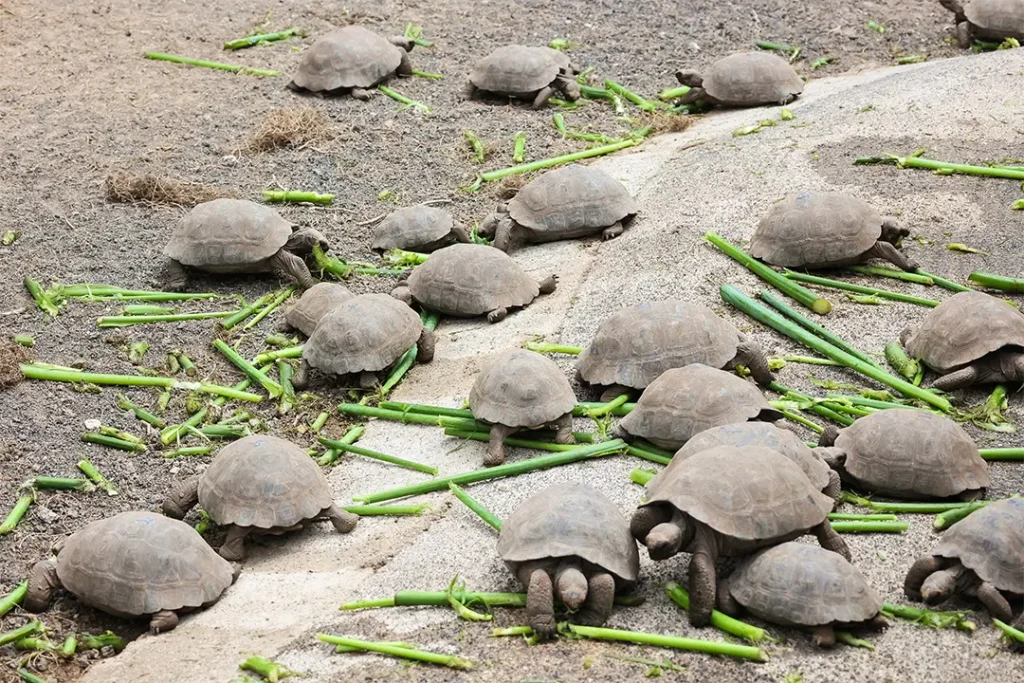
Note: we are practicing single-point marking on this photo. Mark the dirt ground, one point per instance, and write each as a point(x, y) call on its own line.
point(78, 101)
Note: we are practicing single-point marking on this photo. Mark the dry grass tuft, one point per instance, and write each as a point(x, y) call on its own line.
point(146, 188)
point(669, 123)
point(11, 355)
point(509, 186)
point(289, 128)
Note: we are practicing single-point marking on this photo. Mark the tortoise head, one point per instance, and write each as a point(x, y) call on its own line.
point(489, 226)
point(939, 586)
point(571, 586)
point(690, 78)
point(668, 538)
point(303, 240)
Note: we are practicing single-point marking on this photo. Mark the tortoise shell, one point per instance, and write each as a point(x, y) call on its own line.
point(263, 481)
point(314, 304)
point(226, 232)
point(567, 520)
point(515, 69)
point(415, 228)
point(138, 563)
point(366, 333)
point(751, 78)
point(990, 542)
point(521, 388)
point(347, 57)
point(996, 19)
point(572, 201)
point(963, 329)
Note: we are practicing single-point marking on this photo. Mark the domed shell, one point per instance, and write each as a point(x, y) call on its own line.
point(141, 563)
point(761, 434)
point(314, 304)
point(515, 69)
point(366, 333)
point(686, 401)
point(227, 232)
point(803, 585)
point(752, 78)
point(571, 520)
point(414, 228)
point(263, 481)
point(571, 201)
point(998, 19)
point(347, 57)
point(963, 329)
point(990, 542)
point(816, 228)
point(471, 279)
point(751, 494)
point(906, 452)
point(636, 345)
point(521, 388)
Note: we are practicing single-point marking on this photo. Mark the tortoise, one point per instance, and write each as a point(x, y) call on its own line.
point(569, 202)
point(746, 79)
point(795, 584)
point(827, 230)
point(239, 236)
point(260, 484)
point(472, 279)
point(418, 228)
point(728, 501)
point(314, 304)
point(364, 336)
point(685, 401)
point(352, 59)
point(784, 441)
point(133, 564)
point(970, 338)
point(519, 390)
point(635, 345)
point(907, 453)
point(569, 542)
point(525, 73)
point(993, 20)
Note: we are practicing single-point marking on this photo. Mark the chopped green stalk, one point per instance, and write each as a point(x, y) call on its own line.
point(822, 408)
point(776, 47)
point(791, 313)
point(956, 246)
point(89, 470)
point(646, 105)
point(874, 403)
point(541, 347)
point(427, 74)
point(42, 301)
point(277, 301)
point(1018, 205)
point(440, 599)
point(1003, 454)
point(351, 436)
point(270, 670)
point(822, 61)
point(113, 442)
point(891, 273)
point(69, 647)
point(223, 431)
point(270, 356)
point(912, 59)
point(272, 387)
point(510, 441)
point(344, 648)
point(14, 598)
point(929, 618)
point(62, 484)
point(9, 237)
point(29, 629)
point(190, 451)
point(24, 340)
point(108, 639)
point(457, 605)
point(989, 415)
point(850, 287)
point(851, 517)
point(721, 621)
point(946, 519)
point(944, 283)
point(477, 145)
point(173, 366)
point(145, 309)
point(673, 93)
point(395, 651)
point(642, 476)
point(900, 361)
point(943, 166)
point(609, 407)
point(365, 452)
point(398, 97)
point(93, 291)
point(319, 422)
point(186, 364)
point(800, 294)
point(285, 371)
point(426, 410)
point(379, 510)
point(124, 404)
point(1009, 632)
point(405, 363)
point(476, 506)
point(511, 631)
point(415, 33)
point(906, 508)
point(875, 26)
point(1000, 282)
point(739, 300)
point(127, 320)
point(160, 56)
point(583, 409)
point(559, 122)
point(645, 451)
point(243, 313)
point(849, 639)
point(37, 644)
point(559, 44)
point(281, 340)
point(399, 257)
point(118, 434)
point(797, 417)
point(16, 513)
point(519, 148)
point(508, 469)
point(296, 196)
point(262, 38)
point(553, 161)
point(137, 351)
point(29, 677)
point(807, 360)
point(711, 647)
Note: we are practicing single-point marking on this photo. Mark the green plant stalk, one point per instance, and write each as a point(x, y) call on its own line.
point(101, 482)
point(815, 406)
point(776, 47)
point(341, 649)
point(798, 418)
point(943, 166)
point(69, 647)
point(804, 296)
point(367, 453)
point(108, 639)
point(584, 408)
point(644, 104)
point(673, 93)
point(912, 59)
point(272, 387)
point(285, 371)
point(852, 517)
point(14, 598)
point(476, 506)
point(29, 629)
point(160, 56)
point(929, 618)
point(902, 508)
point(146, 309)
point(62, 484)
point(440, 599)
point(891, 273)
point(243, 313)
point(417, 655)
point(808, 360)
point(850, 287)
point(415, 33)
point(794, 315)
point(270, 670)
point(173, 433)
point(476, 145)
point(29, 677)
point(511, 441)
point(350, 437)
point(1000, 282)
point(944, 283)
point(113, 442)
point(261, 38)
point(42, 301)
point(719, 620)
point(9, 237)
point(90, 290)
point(224, 431)
point(506, 470)
point(270, 356)
point(946, 519)
point(379, 510)
point(186, 364)
point(172, 364)
point(553, 161)
point(900, 361)
point(319, 422)
point(427, 74)
point(609, 407)
point(281, 340)
point(849, 639)
point(1003, 454)
point(17, 513)
point(511, 631)
point(190, 451)
point(128, 320)
point(400, 257)
point(642, 476)
point(519, 148)
point(711, 647)
point(541, 347)
point(398, 97)
point(24, 340)
point(36, 644)
point(426, 409)
point(737, 299)
point(646, 453)
point(297, 196)
point(277, 301)
point(430, 321)
point(1010, 632)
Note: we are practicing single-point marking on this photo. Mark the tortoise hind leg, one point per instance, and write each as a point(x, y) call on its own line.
point(886, 250)
point(612, 231)
point(343, 520)
point(702, 581)
point(177, 277)
point(497, 315)
point(496, 447)
point(543, 95)
point(830, 540)
point(405, 66)
point(362, 94)
point(964, 377)
point(233, 549)
point(300, 380)
point(963, 34)
point(42, 580)
point(163, 621)
point(834, 487)
point(994, 602)
point(368, 381)
point(600, 600)
point(563, 429)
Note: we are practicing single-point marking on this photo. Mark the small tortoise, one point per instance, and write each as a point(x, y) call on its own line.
point(635, 345)
point(520, 390)
point(472, 279)
point(525, 73)
point(991, 20)
point(686, 401)
point(239, 236)
point(569, 542)
point(907, 453)
point(134, 564)
point(352, 59)
point(314, 304)
point(763, 434)
point(795, 584)
point(981, 555)
point(364, 336)
point(261, 484)
point(569, 202)
point(729, 502)
point(827, 230)
point(418, 228)
point(747, 79)
point(970, 338)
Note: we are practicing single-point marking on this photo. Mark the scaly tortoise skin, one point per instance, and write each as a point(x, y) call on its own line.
point(418, 228)
point(729, 502)
point(569, 542)
point(970, 338)
point(989, 20)
point(260, 484)
point(566, 203)
point(352, 59)
point(314, 304)
point(684, 402)
point(525, 73)
point(747, 79)
point(520, 390)
point(134, 564)
point(827, 230)
point(239, 236)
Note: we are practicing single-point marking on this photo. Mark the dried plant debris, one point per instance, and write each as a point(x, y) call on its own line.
point(289, 128)
point(147, 188)
point(11, 356)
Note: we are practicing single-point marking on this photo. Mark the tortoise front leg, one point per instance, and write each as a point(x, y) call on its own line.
point(291, 265)
point(830, 540)
point(540, 604)
point(964, 377)
point(612, 231)
point(702, 580)
point(600, 600)
point(497, 315)
point(42, 580)
point(368, 381)
point(963, 34)
point(163, 621)
point(563, 429)
point(834, 487)
point(470, 91)
point(182, 498)
point(361, 94)
point(886, 250)
point(343, 520)
point(994, 602)
point(919, 572)
point(425, 346)
point(177, 277)
point(823, 636)
point(971, 495)
point(543, 95)
point(496, 447)
point(233, 549)
point(300, 380)
point(404, 69)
